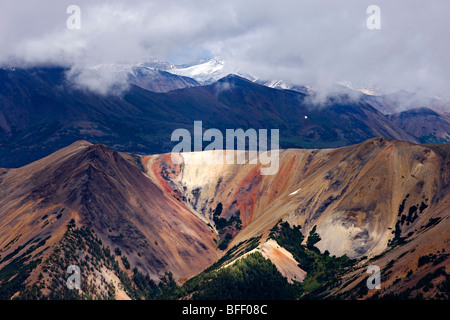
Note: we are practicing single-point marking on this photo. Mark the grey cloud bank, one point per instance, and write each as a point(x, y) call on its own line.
point(303, 42)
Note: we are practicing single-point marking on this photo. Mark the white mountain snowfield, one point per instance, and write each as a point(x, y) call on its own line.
point(211, 70)
point(205, 72)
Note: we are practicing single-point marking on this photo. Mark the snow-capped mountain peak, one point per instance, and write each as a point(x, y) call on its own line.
point(205, 72)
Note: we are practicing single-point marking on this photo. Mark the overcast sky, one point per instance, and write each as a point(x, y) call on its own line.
point(317, 42)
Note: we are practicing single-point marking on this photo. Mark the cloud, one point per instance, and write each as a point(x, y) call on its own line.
point(304, 42)
point(104, 82)
point(220, 87)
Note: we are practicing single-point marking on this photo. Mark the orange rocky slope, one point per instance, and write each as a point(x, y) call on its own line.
point(352, 194)
point(162, 216)
point(364, 199)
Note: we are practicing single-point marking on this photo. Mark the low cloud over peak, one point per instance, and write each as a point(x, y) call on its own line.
point(302, 42)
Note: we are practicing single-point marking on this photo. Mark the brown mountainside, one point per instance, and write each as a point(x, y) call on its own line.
point(427, 125)
point(108, 192)
point(363, 199)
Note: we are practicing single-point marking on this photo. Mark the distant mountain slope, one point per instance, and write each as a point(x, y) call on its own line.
point(403, 100)
point(426, 125)
point(150, 76)
point(160, 81)
point(40, 112)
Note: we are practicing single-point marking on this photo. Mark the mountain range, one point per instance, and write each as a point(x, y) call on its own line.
point(132, 221)
point(41, 112)
point(87, 179)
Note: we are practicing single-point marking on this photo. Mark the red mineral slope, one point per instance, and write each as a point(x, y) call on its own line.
point(363, 199)
point(352, 194)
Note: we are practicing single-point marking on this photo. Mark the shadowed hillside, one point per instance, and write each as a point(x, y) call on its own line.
point(41, 112)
